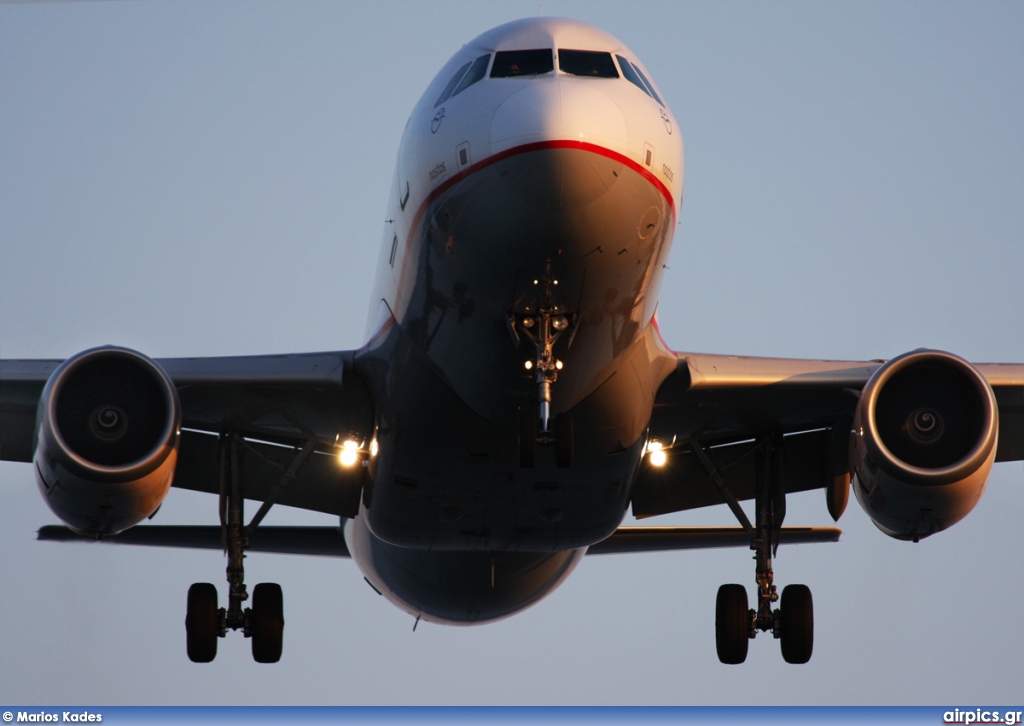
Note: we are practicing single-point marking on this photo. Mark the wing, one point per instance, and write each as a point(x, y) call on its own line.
point(725, 406)
point(287, 413)
point(330, 542)
point(308, 541)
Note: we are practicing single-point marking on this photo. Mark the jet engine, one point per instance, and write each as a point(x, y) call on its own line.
point(107, 431)
point(923, 442)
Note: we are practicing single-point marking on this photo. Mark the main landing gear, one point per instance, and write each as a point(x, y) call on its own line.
point(541, 317)
point(736, 625)
point(263, 623)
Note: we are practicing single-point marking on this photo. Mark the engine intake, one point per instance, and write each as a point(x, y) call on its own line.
point(923, 442)
point(108, 426)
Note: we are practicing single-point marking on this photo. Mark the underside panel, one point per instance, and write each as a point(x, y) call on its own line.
point(319, 483)
point(684, 482)
point(451, 479)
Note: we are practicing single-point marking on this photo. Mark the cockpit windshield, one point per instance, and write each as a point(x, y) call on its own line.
point(477, 70)
point(511, 63)
point(540, 61)
point(593, 63)
point(636, 76)
point(446, 94)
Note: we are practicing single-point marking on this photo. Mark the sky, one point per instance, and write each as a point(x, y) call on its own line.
point(198, 179)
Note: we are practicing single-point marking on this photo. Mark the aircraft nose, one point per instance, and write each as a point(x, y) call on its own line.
point(556, 109)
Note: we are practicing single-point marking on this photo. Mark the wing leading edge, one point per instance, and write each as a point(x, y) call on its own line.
point(727, 404)
point(287, 413)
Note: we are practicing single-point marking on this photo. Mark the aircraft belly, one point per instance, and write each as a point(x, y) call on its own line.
point(458, 588)
point(447, 478)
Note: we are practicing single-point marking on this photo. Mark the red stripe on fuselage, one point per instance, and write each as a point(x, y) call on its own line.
point(541, 146)
point(657, 331)
point(516, 151)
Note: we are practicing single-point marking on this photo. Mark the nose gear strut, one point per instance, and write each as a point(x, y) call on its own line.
point(543, 329)
point(541, 317)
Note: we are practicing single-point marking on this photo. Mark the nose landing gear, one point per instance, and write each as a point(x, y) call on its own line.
point(561, 435)
point(542, 318)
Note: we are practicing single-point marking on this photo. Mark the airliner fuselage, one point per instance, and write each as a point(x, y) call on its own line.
point(531, 214)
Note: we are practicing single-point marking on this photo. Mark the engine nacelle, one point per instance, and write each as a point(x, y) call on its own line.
point(107, 431)
point(923, 442)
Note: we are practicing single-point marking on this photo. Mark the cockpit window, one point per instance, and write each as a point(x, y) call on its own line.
point(451, 85)
point(476, 72)
point(650, 86)
point(510, 63)
point(587, 63)
point(635, 76)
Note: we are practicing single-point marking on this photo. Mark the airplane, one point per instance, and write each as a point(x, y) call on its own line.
point(514, 397)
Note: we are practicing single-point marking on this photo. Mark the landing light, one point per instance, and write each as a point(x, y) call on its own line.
point(349, 454)
point(656, 453)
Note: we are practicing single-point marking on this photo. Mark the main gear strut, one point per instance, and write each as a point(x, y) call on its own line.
point(793, 622)
point(264, 621)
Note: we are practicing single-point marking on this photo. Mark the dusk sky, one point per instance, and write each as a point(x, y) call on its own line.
point(201, 179)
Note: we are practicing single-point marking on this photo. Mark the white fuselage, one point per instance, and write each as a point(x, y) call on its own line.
point(496, 116)
point(520, 187)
